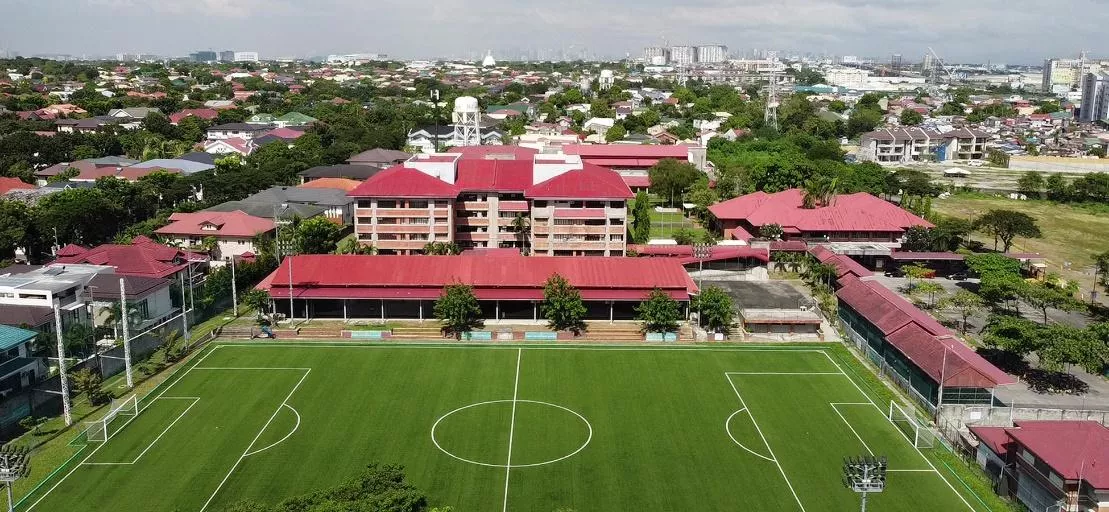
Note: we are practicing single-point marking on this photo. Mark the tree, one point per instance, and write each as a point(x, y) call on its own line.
point(89, 383)
point(1063, 345)
point(617, 132)
point(1005, 225)
point(917, 272)
point(1043, 296)
point(965, 303)
point(15, 218)
point(820, 274)
point(257, 300)
point(683, 236)
point(932, 290)
point(715, 309)
point(521, 225)
point(441, 248)
point(351, 245)
point(1056, 187)
point(659, 313)
point(641, 218)
point(1101, 268)
point(910, 117)
point(317, 235)
point(562, 305)
point(1031, 184)
point(837, 106)
point(113, 316)
point(670, 179)
point(458, 309)
point(862, 120)
point(771, 232)
point(378, 488)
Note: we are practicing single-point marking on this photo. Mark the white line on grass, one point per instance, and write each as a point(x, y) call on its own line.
point(129, 420)
point(512, 427)
point(728, 429)
point(507, 346)
point(767, 443)
point(911, 470)
point(848, 423)
point(282, 440)
point(783, 373)
point(256, 436)
point(915, 447)
point(151, 445)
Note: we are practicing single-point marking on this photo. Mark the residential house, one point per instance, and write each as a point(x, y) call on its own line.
point(28, 295)
point(294, 119)
point(234, 145)
point(149, 300)
point(233, 231)
point(236, 130)
point(19, 368)
point(8, 184)
point(206, 114)
point(380, 158)
point(143, 257)
point(904, 145)
point(332, 203)
point(357, 172)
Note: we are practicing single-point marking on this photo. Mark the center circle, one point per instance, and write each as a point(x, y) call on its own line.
point(500, 422)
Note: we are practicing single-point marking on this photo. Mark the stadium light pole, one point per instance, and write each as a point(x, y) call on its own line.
point(234, 290)
point(14, 464)
point(61, 363)
point(126, 333)
point(865, 475)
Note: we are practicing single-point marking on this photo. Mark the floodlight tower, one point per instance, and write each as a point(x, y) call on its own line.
point(14, 465)
point(770, 117)
point(865, 475)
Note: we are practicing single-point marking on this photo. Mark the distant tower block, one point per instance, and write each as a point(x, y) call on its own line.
point(607, 79)
point(489, 61)
point(467, 121)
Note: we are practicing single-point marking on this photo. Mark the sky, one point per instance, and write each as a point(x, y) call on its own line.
point(998, 31)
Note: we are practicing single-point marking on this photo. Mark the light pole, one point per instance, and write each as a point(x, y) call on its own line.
point(126, 332)
point(14, 464)
point(234, 290)
point(701, 252)
point(865, 475)
point(61, 363)
point(435, 103)
point(277, 248)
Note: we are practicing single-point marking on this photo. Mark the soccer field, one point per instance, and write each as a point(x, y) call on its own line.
point(484, 428)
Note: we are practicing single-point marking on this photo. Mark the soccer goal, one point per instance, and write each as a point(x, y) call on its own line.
point(919, 434)
point(101, 430)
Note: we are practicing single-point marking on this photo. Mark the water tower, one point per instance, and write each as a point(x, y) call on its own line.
point(607, 79)
point(467, 121)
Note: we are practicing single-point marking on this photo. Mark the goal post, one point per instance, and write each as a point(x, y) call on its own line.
point(918, 433)
point(101, 430)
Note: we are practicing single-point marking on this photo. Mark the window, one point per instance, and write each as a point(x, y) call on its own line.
point(540, 204)
point(363, 203)
point(616, 222)
point(386, 204)
point(417, 204)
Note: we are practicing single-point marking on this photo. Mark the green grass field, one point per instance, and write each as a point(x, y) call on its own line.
point(483, 428)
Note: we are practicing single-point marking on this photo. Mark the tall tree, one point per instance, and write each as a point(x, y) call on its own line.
point(1031, 184)
point(1005, 225)
point(715, 309)
point(641, 218)
point(317, 235)
point(671, 179)
point(458, 309)
point(521, 226)
point(965, 303)
point(562, 305)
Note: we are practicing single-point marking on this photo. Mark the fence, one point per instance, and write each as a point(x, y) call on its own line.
point(886, 370)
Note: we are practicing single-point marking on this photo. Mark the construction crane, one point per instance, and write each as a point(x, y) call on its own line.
point(934, 89)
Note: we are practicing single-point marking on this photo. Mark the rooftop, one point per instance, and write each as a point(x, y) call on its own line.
point(850, 212)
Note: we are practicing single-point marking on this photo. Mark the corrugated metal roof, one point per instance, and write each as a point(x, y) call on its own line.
point(851, 212)
point(13, 336)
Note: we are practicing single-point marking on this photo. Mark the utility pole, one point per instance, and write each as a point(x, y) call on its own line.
point(234, 290)
point(184, 310)
point(61, 363)
point(435, 104)
point(126, 333)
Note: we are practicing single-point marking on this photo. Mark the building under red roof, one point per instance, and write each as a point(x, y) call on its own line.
point(7, 184)
point(506, 277)
point(401, 181)
point(627, 156)
point(143, 257)
point(207, 114)
point(589, 182)
point(851, 217)
point(236, 224)
point(494, 152)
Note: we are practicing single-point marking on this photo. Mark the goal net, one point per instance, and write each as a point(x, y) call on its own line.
point(918, 433)
point(101, 430)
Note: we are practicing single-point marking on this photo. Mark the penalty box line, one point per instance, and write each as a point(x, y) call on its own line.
point(195, 400)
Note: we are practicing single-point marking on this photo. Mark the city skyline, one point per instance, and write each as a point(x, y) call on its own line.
point(459, 29)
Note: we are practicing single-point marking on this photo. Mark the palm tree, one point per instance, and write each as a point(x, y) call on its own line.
point(522, 226)
point(353, 246)
point(113, 316)
point(820, 191)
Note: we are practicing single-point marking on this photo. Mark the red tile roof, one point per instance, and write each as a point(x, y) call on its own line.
point(1074, 449)
point(338, 183)
point(143, 257)
point(845, 265)
point(851, 212)
point(494, 175)
point(202, 113)
point(591, 182)
point(7, 184)
point(227, 224)
point(994, 437)
point(494, 152)
point(504, 277)
point(636, 181)
point(400, 181)
point(930, 345)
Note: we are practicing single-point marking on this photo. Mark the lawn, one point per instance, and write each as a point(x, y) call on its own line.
point(1070, 233)
point(536, 427)
point(663, 225)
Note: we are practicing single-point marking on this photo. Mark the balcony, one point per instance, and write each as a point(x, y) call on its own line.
point(399, 245)
point(473, 206)
point(471, 237)
point(580, 230)
point(471, 221)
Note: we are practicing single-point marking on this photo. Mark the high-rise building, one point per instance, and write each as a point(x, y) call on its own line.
point(712, 53)
point(927, 64)
point(1061, 74)
point(683, 55)
point(656, 55)
point(246, 57)
point(204, 56)
point(227, 56)
point(1095, 98)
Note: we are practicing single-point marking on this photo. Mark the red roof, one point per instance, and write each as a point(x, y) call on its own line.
point(845, 265)
point(494, 175)
point(202, 113)
point(219, 224)
point(505, 277)
point(339, 183)
point(7, 184)
point(684, 253)
point(644, 163)
point(925, 256)
point(1076, 450)
point(284, 133)
point(400, 181)
point(930, 345)
point(143, 257)
point(994, 437)
point(678, 152)
point(852, 212)
point(589, 182)
point(636, 181)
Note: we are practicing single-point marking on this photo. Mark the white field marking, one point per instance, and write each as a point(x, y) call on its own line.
point(256, 436)
point(244, 368)
point(505, 346)
point(728, 429)
point(782, 373)
point(282, 440)
point(588, 438)
point(853, 431)
point(151, 445)
point(129, 420)
point(880, 411)
point(512, 427)
point(911, 470)
point(767, 443)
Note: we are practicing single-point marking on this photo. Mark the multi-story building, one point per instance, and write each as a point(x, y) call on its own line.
point(246, 56)
point(683, 55)
point(565, 207)
point(1095, 98)
point(28, 298)
point(712, 53)
point(656, 55)
point(841, 76)
point(902, 145)
point(1062, 75)
point(227, 56)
